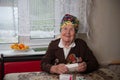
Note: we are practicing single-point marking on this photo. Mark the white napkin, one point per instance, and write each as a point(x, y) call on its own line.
point(72, 67)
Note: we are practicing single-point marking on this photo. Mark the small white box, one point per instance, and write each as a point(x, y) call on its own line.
point(65, 77)
point(72, 67)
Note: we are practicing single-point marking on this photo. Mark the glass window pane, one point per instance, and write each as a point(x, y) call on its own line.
point(41, 18)
point(8, 22)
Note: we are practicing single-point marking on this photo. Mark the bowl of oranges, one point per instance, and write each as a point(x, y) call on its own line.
point(19, 47)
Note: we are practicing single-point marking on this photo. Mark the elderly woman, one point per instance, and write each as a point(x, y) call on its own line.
point(68, 50)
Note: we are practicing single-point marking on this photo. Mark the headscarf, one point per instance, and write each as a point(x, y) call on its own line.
point(70, 20)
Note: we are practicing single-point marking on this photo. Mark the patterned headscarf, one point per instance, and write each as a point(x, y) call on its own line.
point(70, 20)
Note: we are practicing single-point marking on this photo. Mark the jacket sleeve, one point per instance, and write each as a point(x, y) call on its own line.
point(46, 62)
point(89, 58)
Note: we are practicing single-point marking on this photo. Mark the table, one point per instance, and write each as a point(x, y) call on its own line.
point(101, 74)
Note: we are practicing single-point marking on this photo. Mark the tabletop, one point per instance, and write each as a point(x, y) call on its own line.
point(101, 74)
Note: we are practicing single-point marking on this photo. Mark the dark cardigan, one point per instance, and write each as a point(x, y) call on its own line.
point(80, 50)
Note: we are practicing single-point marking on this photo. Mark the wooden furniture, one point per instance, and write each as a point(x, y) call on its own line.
point(23, 63)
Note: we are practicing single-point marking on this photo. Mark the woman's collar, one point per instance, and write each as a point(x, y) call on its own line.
point(62, 46)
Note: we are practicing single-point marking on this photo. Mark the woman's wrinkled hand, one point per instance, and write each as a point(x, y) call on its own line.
point(82, 67)
point(59, 69)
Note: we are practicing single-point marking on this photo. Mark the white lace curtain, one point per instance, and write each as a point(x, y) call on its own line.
point(79, 8)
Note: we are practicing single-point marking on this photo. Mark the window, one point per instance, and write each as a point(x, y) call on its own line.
point(8, 21)
point(37, 22)
point(42, 19)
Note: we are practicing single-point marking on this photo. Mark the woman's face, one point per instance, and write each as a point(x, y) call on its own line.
point(68, 33)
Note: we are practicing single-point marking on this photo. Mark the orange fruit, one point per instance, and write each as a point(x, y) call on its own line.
point(12, 46)
point(26, 47)
point(21, 46)
point(15, 44)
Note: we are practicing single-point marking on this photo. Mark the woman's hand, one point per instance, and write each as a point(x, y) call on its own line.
point(82, 67)
point(59, 69)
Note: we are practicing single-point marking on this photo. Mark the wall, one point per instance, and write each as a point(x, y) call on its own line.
point(105, 29)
